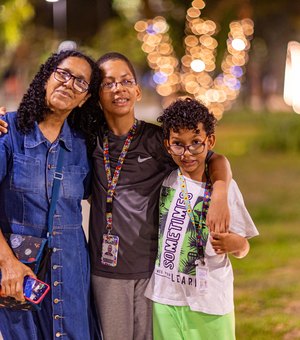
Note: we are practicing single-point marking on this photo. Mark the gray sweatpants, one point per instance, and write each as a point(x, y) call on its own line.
point(124, 312)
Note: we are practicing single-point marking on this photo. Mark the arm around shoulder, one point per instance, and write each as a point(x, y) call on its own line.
point(218, 216)
point(219, 170)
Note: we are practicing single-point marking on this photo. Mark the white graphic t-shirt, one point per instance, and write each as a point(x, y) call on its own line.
point(173, 281)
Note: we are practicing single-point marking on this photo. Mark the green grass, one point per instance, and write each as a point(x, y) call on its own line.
point(264, 151)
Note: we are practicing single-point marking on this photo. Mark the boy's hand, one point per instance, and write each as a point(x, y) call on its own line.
point(218, 215)
point(3, 125)
point(229, 243)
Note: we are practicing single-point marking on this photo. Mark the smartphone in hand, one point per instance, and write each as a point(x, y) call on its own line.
point(34, 289)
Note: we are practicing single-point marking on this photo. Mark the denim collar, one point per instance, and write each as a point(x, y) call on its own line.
point(35, 137)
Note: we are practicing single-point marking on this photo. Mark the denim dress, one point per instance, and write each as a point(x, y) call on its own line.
point(27, 166)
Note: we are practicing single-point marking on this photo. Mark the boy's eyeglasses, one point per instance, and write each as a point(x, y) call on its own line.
point(64, 76)
point(194, 149)
point(111, 86)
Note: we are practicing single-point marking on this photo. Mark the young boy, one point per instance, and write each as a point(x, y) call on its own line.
point(192, 284)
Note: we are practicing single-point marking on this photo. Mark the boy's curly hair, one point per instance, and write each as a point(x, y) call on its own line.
point(187, 114)
point(33, 107)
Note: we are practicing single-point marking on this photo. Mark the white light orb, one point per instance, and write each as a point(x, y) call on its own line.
point(238, 44)
point(197, 65)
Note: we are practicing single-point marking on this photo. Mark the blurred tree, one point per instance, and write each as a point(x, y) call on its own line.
point(276, 23)
point(98, 26)
point(27, 36)
point(14, 15)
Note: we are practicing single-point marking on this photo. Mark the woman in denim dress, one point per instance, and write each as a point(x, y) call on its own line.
point(60, 100)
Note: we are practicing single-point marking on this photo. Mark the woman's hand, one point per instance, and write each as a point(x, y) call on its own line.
point(13, 272)
point(3, 124)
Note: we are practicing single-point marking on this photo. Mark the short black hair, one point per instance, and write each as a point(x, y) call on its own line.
point(187, 114)
point(116, 56)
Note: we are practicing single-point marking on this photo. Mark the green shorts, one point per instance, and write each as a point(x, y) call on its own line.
point(180, 323)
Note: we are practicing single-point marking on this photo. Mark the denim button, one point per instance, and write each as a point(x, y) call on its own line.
point(56, 283)
point(57, 317)
point(56, 301)
point(58, 334)
point(55, 266)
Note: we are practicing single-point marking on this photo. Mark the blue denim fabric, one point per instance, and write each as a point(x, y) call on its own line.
point(27, 166)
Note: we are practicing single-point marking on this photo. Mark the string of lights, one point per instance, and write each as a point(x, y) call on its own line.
point(194, 75)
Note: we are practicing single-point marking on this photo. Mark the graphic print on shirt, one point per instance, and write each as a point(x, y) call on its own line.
point(174, 281)
point(177, 244)
point(166, 198)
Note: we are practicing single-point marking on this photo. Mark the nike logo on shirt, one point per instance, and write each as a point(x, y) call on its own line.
point(141, 160)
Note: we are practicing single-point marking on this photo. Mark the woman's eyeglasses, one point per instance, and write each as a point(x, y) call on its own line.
point(64, 76)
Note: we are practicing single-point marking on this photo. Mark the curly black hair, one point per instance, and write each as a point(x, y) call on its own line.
point(33, 107)
point(187, 114)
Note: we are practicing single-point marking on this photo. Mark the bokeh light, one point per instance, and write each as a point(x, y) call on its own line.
point(197, 65)
point(193, 74)
point(292, 76)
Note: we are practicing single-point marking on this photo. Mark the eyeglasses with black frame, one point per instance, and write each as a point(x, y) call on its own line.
point(194, 149)
point(64, 76)
point(111, 86)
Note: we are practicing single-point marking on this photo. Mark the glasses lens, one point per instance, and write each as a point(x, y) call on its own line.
point(108, 86)
point(80, 85)
point(195, 149)
point(62, 75)
point(127, 83)
point(177, 150)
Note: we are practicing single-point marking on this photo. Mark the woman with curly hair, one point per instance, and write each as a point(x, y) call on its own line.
point(61, 100)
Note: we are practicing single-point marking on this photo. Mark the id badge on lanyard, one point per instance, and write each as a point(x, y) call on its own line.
point(110, 242)
point(110, 248)
point(201, 277)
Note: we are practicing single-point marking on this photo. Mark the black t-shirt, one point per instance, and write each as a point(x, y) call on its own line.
point(135, 205)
